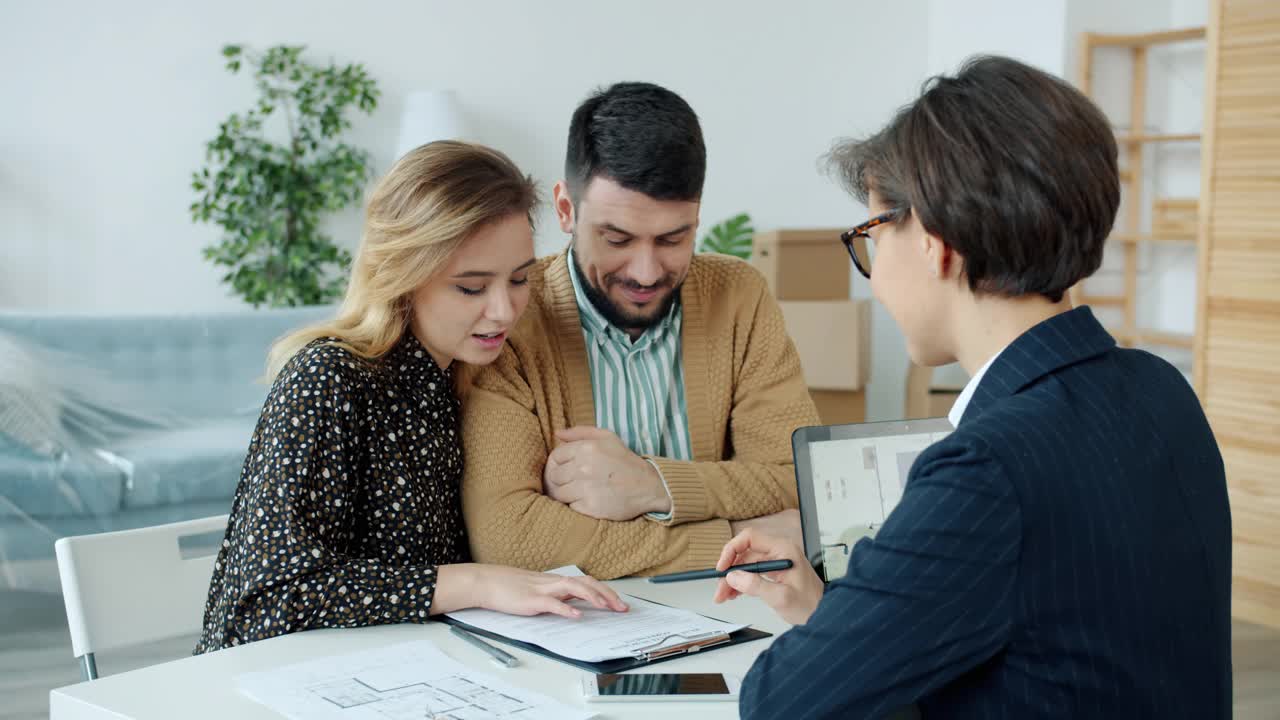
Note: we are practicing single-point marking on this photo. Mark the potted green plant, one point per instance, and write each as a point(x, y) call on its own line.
point(730, 237)
point(270, 196)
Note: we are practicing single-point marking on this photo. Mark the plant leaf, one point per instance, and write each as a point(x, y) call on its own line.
point(733, 236)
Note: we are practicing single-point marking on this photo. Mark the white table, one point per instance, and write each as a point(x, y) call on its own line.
point(203, 686)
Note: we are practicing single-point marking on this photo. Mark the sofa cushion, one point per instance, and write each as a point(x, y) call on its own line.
point(190, 464)
point(69, 485)
point(199, 365)
point(30, 400)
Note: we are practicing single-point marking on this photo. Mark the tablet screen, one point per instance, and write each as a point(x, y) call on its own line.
point(850, 478)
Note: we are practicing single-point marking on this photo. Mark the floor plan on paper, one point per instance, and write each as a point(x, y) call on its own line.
point(412, 681)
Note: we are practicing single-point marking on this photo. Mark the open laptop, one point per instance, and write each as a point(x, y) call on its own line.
point(850, 478)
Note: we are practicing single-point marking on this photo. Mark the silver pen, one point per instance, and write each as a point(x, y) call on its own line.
point(502, 658)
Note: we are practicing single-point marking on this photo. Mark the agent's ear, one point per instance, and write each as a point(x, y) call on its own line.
point(943, 261)
point(564, 206)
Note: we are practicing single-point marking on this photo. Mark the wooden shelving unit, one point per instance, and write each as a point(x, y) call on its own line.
point(1153, 337)
point(1143, 40)
point(1126, 237)
point(1238, 308)
point(1139, 139)
point(1173, 219)
point(1100, 300)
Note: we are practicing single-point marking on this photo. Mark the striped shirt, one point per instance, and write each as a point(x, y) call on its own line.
point(638, 387)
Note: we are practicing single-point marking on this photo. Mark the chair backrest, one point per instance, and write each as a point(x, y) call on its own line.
point(137, 586)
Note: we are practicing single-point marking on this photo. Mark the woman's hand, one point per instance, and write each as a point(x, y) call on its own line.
point(518, 592)
point(793, 594)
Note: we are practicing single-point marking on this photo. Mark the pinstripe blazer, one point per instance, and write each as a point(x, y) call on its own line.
point(1065, 553)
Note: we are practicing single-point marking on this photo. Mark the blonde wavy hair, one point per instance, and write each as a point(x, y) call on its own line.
point(418, 214)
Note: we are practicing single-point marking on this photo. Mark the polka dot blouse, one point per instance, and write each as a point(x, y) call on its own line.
point(348, 500)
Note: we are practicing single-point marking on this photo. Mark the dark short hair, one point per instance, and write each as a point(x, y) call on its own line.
point(1010, 166)
point(643, 137)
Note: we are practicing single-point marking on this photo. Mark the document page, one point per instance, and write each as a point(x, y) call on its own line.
point(600, 634)
point(410, 681)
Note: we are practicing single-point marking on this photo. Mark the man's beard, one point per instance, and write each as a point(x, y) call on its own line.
point(614, 314)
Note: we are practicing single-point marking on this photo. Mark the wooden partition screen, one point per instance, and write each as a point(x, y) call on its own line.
point(1237, 342)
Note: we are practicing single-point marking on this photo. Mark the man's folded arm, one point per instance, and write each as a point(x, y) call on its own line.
point(770, 400)
point(511, 522)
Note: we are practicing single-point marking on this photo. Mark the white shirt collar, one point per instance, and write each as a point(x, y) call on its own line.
point(962, 402)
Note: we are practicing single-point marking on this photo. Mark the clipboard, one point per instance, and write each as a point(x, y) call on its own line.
point(647, 656)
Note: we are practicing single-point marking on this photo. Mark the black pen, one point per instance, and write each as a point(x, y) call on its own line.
point(760, 567)
point(500, 657)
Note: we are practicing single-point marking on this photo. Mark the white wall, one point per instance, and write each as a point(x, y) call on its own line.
point(108, 116)
point(116, 101)
point(107, 109)
point(1029, 31)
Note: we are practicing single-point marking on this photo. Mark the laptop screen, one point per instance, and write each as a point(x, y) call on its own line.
point(850, 477)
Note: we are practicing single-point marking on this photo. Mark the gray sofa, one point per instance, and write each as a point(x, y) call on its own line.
point(177, 396)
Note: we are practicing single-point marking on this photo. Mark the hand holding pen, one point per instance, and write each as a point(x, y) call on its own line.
point(793, 593)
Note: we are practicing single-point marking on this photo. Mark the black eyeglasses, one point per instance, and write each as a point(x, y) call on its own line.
point(858, 241)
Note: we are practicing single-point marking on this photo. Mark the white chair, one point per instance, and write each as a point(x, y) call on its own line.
point(136, 586)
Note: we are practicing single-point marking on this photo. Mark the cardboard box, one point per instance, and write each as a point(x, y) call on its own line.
point(834, 341)
point(924, 399)
point(803, 264)
point(837, 407)
point(941, 400)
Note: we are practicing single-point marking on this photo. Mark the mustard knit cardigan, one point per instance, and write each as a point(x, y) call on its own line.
point(745, 396)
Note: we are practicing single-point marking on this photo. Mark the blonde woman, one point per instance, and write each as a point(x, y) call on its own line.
point(348, 510)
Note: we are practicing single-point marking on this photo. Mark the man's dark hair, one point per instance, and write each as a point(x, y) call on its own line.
point(1010, 166)
point(643, 137)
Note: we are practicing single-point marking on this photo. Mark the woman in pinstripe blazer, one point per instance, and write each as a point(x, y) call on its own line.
point(1066, 552)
